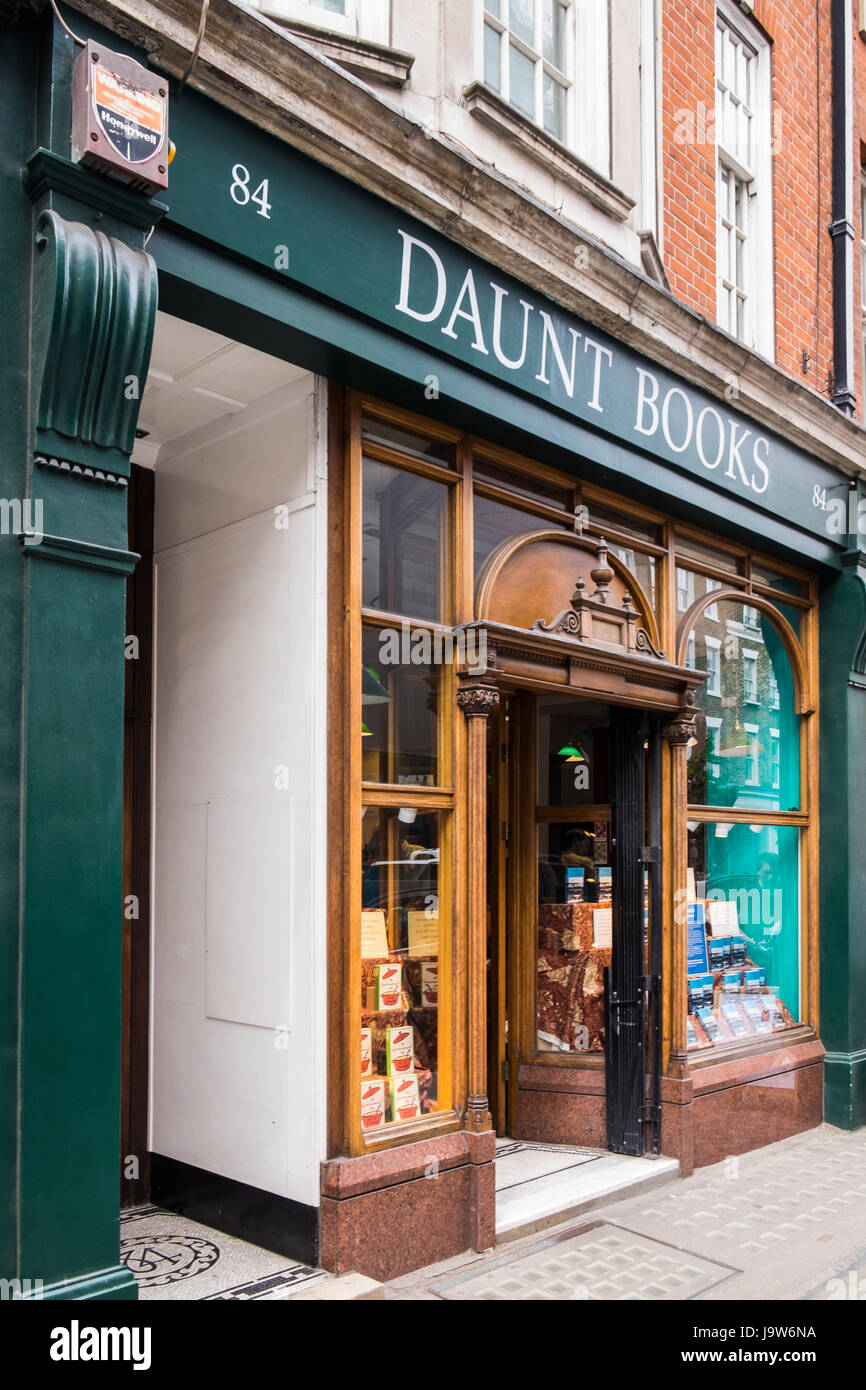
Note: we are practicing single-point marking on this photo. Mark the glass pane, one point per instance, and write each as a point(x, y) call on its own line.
point(539, 489)
point(418, 445)
point(743, 932)
point(747, 748)
point(399, 706)
point(401, 931)
point(707, 554)
point(554, 107)
point(494, 7)
point(522, 88)
point(334, 6)
point(521, 19)
point(404, 541)
point(602, 518)
point(553, 41)
point(573, 753)
point(574, 934)
point(492, 42)
point(496, 522)
point(783, 582)
point(643, 567)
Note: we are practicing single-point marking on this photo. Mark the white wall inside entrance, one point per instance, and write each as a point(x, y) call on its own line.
point(238, 989)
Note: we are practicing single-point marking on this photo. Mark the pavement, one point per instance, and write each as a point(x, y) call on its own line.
point(786, 1222)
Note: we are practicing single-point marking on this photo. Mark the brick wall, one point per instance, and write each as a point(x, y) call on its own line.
point(801, 130)
point(859, 161)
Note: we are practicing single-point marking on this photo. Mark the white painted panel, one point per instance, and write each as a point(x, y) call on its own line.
point(239, 960)
point(248, 914)
point(179, 904)
point(235, 467)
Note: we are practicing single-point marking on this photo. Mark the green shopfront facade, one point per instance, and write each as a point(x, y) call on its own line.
point(411, 338)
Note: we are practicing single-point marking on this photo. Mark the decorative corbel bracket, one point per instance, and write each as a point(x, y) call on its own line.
point(94, 314)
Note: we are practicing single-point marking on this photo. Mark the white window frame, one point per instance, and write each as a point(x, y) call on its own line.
point(750, 657)
point(691, 660)
point(775, 758)
point(713, 728)
point(366, 19)
point(688, 588)
point(775, 701)
point(712, 609)
point(753, 772)
point(714, 676)
point(759, 327)
point(751, 616)
point(587, 74)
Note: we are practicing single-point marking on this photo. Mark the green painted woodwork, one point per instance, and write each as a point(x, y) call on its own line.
point(842, 671)
point(233, 298)
point(324, 251)
point(78, 316)
point(17, 83)
point(94, 313)
point(347, 247)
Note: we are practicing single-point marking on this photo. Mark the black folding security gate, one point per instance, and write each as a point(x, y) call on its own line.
point(633, 980)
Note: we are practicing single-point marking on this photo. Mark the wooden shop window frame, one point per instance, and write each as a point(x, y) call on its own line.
point(347, 793)
point(802, 652)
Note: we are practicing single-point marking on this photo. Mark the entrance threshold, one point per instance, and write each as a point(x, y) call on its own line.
point(539, 1185)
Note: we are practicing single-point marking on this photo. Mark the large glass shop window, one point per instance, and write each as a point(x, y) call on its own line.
point(743, 931)
point(574, 876)
point(403, 567)
point(747, 753)
point(743, 893)
point(401, 932)
point(399, 706)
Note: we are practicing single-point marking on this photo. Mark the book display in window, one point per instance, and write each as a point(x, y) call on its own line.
point(729, 999)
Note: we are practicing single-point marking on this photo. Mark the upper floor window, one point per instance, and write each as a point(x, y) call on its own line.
point(548, 59)
point(744, 180)
point(368, 19)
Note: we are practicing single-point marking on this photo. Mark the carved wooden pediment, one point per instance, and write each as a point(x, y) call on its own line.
point(555, 611)
point(569, 587)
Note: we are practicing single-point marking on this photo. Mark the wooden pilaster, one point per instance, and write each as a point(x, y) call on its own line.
point(477, 700)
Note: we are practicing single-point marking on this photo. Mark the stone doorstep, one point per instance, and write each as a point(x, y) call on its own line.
point(613, 1185)
point(339, 1287)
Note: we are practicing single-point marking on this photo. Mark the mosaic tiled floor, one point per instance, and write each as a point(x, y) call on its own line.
point(172, 1257)
point(599, 1263)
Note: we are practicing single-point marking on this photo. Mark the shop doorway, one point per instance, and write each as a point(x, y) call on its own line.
point(574, 877)
point(224, 791)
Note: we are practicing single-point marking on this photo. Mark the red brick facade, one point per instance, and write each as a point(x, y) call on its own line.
point(800, 35)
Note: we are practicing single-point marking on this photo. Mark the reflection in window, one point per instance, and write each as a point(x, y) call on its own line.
point(685, 589)
point(743, 932)
point(750, 677)
point(496, 522)
point(404, 542)
point(399, 707)
point(749, 691)
point(401, 928)
point(713, 662)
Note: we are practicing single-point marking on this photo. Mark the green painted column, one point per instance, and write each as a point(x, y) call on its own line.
point(843, 847)
point(80, 340)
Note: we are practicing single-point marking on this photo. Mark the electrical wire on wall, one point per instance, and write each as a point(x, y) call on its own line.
point(65, 26)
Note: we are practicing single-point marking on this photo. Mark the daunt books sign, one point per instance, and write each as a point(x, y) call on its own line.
point(234, 186)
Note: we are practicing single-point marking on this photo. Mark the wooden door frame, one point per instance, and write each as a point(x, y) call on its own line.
point(135, 918)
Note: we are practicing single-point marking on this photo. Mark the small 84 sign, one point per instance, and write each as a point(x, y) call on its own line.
point(240, 190)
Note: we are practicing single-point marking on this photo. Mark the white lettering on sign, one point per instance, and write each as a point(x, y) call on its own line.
point(522, 336)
